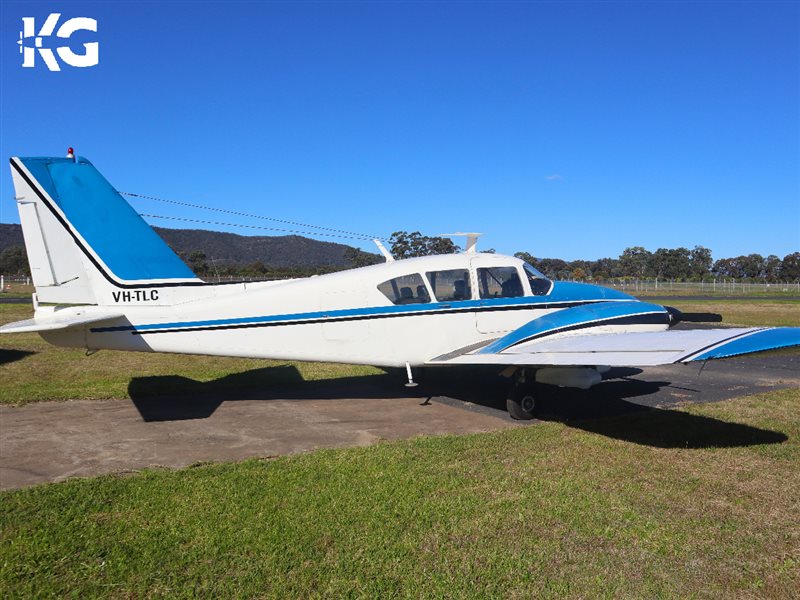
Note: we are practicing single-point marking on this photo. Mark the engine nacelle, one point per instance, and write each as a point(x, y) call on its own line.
point(574, 377)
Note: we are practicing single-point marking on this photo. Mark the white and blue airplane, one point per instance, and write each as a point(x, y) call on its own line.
point(105, 280)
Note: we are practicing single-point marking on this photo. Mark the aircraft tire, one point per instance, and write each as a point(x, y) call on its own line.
point(521, 403)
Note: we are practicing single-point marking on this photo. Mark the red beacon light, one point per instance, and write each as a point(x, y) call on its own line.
point(71, 153)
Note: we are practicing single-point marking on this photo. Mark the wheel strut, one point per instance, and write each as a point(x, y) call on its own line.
point(521, 401)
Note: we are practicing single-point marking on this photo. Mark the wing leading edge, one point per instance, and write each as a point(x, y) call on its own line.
point(632, 349)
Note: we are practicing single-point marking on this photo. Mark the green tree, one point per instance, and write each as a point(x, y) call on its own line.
point(772, 268)
point(671, 263)
point(790, 267)
point(554, 268)
point(439, 245)
point(700, 261)
point(197, 263)
point(358, 258)
point(14, 261)
point(752, 265)
point(411, 245)
point(635, 262)
point(528, 258)
point(578, 274)
point(727, 267)
point(604, 268)
point(258, 268)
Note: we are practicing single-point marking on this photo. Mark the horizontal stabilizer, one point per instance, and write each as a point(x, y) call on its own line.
point(56, 321)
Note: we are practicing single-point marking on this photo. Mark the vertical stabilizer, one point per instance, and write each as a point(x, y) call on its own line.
point(85, 243)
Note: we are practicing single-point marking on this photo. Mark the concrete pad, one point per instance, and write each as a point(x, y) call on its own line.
point(52, 441)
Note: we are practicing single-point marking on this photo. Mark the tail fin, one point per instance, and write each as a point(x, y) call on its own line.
point(85, 243)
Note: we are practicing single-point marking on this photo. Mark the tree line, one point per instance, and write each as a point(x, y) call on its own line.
point(676, 264)
point(636, 262)
point(206, 268)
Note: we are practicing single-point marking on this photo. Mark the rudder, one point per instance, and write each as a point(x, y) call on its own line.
point(84, 241)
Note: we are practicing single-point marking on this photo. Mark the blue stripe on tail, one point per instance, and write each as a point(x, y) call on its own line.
point(112, 228)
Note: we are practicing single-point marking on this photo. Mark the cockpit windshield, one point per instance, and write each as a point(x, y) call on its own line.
point(540, 284)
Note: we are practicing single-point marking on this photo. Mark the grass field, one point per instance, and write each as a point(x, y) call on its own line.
point(32, 370)
point(706, 505)
point(17, 290)
point(695, 289)
point(746, 313)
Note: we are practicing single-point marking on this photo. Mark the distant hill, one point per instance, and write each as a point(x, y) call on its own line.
point(10, 235)
point(230, 249)
point(273, 251)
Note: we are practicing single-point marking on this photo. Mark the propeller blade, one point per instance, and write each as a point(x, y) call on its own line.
point(678, 316)
point(701, 317)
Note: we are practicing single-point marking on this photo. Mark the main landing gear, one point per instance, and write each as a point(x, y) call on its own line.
point(521, 400)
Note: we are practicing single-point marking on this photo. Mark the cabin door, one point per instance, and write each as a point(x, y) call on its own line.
point(494, 313)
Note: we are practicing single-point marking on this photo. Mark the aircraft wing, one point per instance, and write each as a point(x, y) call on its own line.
point(55, 321)
point(623, 349)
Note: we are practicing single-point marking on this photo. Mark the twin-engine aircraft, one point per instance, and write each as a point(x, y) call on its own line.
point(109, 281)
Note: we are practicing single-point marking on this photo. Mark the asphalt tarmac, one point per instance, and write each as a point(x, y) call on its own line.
point(52, 441)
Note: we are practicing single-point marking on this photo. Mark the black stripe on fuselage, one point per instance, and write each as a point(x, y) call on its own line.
point(187, 328)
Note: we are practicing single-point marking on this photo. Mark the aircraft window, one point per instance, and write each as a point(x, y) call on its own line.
point(408, 289)
point(450, 285)
point(540, 284)
point(499, 282)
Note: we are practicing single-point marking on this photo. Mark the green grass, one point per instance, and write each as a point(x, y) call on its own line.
point(739, 289)
point(17, 290)
point(705, 505)
point(746, 313)
point(32, 370)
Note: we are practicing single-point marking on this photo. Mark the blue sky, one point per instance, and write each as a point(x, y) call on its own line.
point(564, 129)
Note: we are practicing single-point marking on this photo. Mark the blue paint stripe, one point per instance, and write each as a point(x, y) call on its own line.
point(111, 227)
point(460, 306)
point(767, 339)
point(569, 317)
point(348, 312)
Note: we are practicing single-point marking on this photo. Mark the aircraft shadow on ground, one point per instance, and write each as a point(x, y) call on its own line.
point(609, 409)
point(176, 398)
point(618, 408)
point(606, 410)
point(9, 356)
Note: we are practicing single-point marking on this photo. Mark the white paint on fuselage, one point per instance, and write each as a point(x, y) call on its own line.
point(383, 341)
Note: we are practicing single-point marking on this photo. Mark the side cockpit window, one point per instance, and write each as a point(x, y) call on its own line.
point(408, 289)
point(451, 285)
point(540, 285)
point(499, 282)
